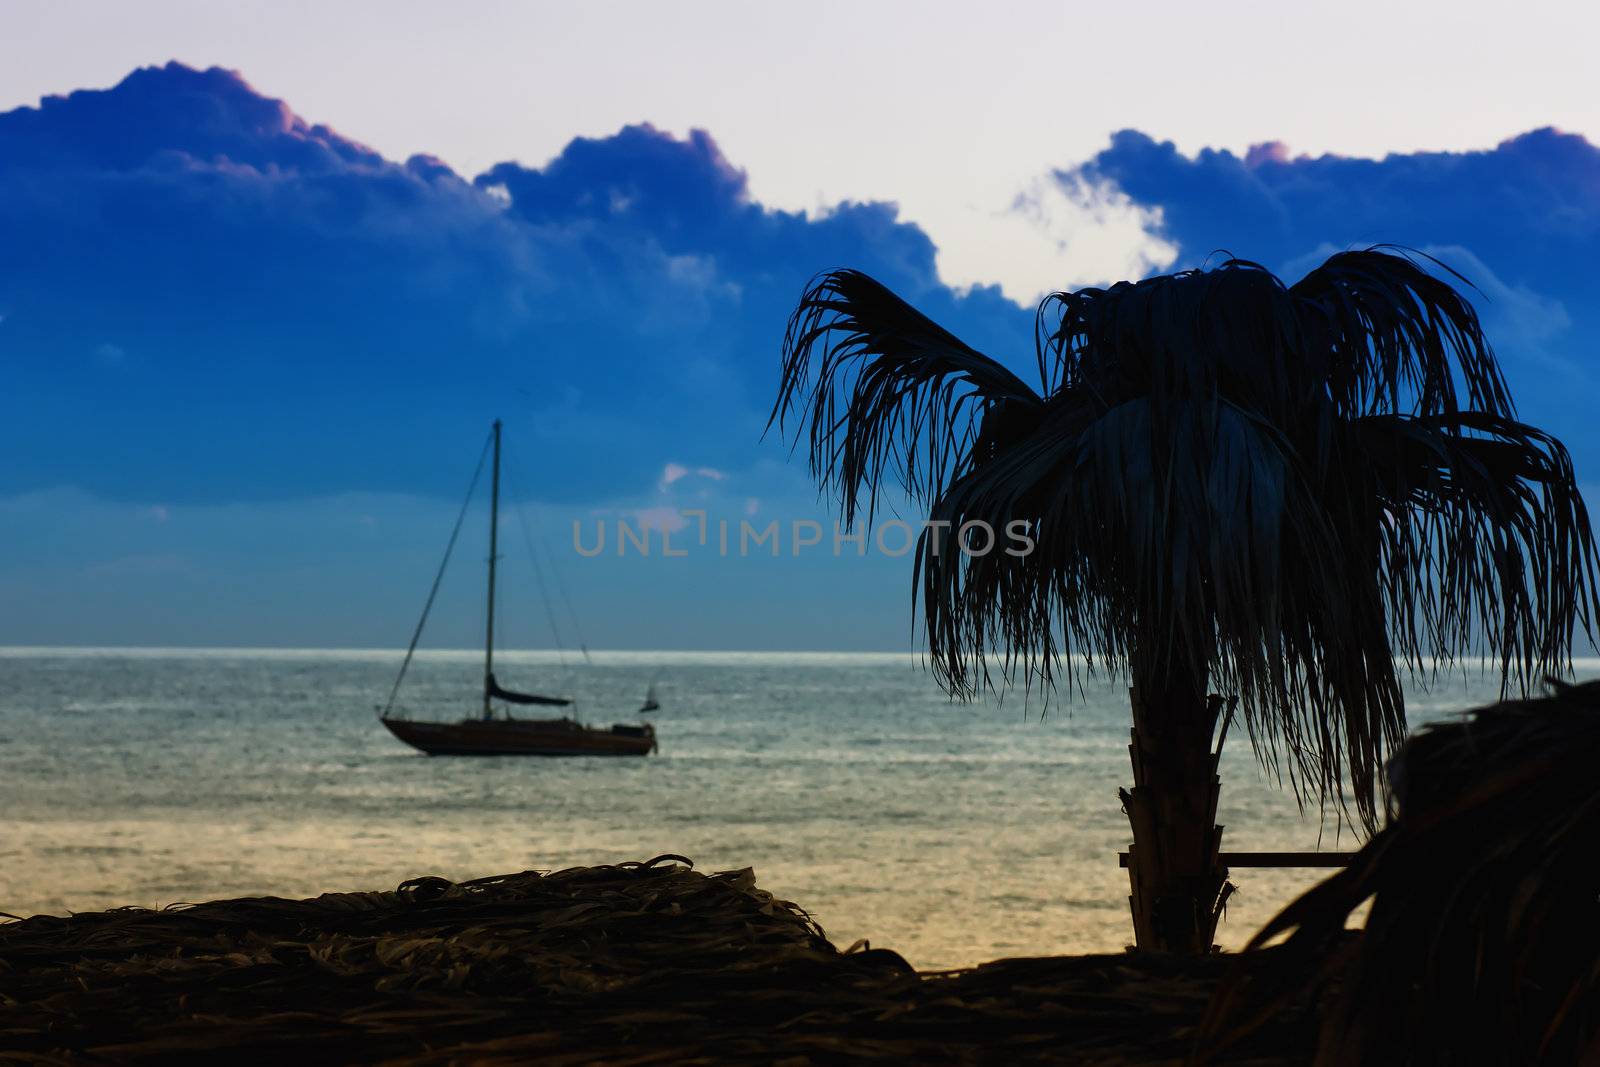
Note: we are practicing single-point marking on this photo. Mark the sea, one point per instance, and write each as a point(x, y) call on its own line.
point(952, 833)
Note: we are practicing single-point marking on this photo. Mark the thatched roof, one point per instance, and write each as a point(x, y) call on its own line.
point(1483, 942)
point(631, 964)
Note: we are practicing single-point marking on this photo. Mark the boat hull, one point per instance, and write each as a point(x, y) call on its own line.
point(522, 737)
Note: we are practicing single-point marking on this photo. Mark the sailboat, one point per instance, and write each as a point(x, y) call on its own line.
point(500, 734)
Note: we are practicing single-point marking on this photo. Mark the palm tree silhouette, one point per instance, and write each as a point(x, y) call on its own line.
point(1276, 491)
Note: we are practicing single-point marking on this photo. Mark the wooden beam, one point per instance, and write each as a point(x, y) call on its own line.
point(1274, 859)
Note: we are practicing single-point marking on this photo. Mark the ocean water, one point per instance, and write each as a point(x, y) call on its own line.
point(952, 833)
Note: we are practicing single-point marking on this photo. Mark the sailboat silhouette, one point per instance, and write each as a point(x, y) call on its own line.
point(489, 734)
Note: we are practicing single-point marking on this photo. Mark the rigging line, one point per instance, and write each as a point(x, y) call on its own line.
point(433, 591)
point(572, 612)
point(561, 590)
point(538, 572)
point(566, 600)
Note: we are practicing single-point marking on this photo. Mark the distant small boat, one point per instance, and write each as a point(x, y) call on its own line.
point(492, 734)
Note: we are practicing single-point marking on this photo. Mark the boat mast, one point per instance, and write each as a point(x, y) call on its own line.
point(494, 549)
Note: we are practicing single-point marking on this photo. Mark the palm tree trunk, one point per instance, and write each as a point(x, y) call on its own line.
point(1178, 882)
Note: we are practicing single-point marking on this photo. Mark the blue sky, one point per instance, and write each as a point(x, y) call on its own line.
point(248, 356)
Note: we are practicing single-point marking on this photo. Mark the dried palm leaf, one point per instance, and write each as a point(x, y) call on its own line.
point(1483, 941)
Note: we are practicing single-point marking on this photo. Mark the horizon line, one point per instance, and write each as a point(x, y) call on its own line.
point(399, 650)
point(1459, 664)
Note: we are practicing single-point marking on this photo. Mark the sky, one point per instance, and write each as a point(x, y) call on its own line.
point(951, 116)
point(264, 285)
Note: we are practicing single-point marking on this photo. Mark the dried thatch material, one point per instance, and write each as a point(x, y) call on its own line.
point(1483, 943)
point(633, 964)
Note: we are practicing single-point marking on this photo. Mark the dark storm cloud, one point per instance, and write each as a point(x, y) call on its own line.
point(203, 296)
point(1526, 206)
point(1521, 220)
point(172, 116)
point(292, 313)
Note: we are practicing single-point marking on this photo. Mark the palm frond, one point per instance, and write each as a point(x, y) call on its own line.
point(1484, 539)
point(913, 396)
point(1398, 338)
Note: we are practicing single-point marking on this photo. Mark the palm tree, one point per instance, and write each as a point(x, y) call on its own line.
point(1274, 491)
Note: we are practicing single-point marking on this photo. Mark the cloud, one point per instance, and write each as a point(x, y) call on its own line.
point(311, 318)
point(1058, 235)
point(1521, 220)
point(663, 518)
point(1526, 206)
point(291, 314)
point(681, 209)
point(673, 473)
